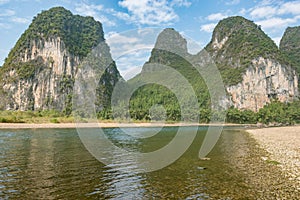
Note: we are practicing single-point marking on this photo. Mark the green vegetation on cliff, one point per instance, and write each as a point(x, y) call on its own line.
point(40, 70)
point(245, 41)
point(290, 46)
point(79, 34)
point(170, 52)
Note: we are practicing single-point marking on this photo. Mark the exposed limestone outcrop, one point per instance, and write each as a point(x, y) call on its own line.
point(50, 87)
point(265, 80)
point(41, 69)
point(254, 70)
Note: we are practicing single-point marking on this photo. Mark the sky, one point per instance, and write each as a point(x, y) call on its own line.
point(131, 26)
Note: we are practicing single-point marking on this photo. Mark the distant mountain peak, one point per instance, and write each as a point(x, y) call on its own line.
point(171, 40)
point(236, 41)
point(79, 34)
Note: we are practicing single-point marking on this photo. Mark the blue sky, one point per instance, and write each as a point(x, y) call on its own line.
point(121, 18)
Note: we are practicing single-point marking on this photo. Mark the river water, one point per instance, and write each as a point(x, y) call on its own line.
point(54, 164)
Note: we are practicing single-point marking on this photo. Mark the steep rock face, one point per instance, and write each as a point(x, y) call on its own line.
point(54, 51)
point(49, 86)
point(252, 67)
point(265, 80)
point(40, 71)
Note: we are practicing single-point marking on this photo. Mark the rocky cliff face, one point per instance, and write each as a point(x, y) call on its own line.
point(50, 84)
point(40, 71)
point(265, 80)
point(252, 67)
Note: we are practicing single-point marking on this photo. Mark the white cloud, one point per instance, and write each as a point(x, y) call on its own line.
point(131, 72)
point(131, 63)
point(243, 11)
point(262, 12)
point(290, 8)
point(208, 27)
point(233, 2)
point(122, 43)
point(216, 16)
point(7, 13)
point(131, 49)
point(276, 22)
point(5, 26)
point(120, 15)
point(271, 8)
point(144, 32)
point(181, 3)
point(88, 9)
point(115, 38)
point(3, 1)
point(93, 10)
point(20, 20)
point(268, 2)
point(193, 47)
point(151, 12)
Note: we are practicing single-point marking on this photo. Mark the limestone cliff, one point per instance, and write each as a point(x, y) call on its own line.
point(252, 67)
point(40, 70)
point(45, 78)
point(265, 80)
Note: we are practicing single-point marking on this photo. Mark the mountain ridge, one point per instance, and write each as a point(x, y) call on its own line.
point(253, 68)
point(40, 70)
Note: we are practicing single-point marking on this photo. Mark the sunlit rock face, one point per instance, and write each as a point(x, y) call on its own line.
point(41, 69)
point(265, 80)
point(50, 84)
point(254, 70)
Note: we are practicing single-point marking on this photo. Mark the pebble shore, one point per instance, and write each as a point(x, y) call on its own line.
point(283, 146)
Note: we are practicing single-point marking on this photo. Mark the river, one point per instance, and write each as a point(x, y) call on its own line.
point(54, 164)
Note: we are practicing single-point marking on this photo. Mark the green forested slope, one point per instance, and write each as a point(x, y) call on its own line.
point(290, 46)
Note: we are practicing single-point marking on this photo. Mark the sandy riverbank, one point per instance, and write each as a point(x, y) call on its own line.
point(103, 125)
point(283, 146)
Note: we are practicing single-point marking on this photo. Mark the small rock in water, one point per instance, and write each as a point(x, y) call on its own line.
point(204, 158)
point(201, 168)
point(264, 158)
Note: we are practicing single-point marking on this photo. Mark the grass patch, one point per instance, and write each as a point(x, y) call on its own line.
point(47, 116)
point(54, 120)
point(273, 162)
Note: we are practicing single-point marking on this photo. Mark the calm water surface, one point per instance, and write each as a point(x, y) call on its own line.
point(53, 164)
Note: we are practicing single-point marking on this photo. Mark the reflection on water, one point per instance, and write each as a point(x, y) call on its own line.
point(53, 164)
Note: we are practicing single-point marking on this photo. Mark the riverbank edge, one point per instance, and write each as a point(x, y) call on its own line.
point(112, 125)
